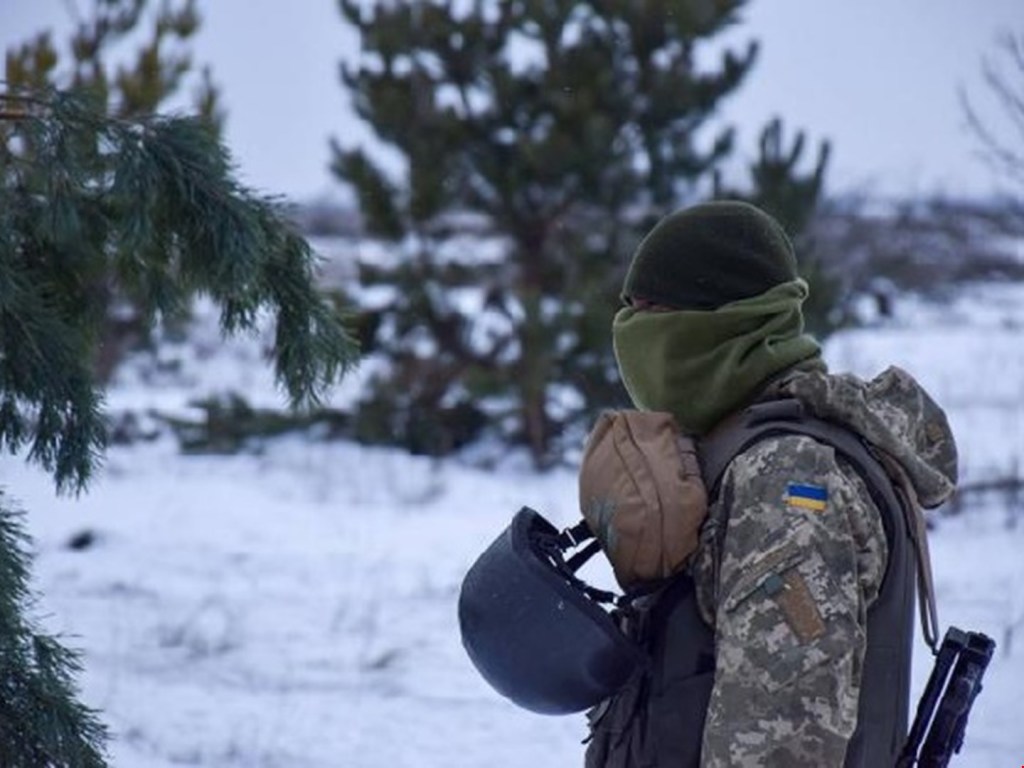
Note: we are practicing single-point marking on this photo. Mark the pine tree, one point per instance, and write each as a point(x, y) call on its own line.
point(794, 197)
point(149, 207)
point(154, 65)
point(159, 69)
point(41, 721)
point(560, 129)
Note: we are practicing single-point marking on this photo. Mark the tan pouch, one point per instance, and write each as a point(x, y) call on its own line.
point(642, 494)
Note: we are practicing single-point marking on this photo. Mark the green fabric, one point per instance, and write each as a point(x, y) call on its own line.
point(701, 366)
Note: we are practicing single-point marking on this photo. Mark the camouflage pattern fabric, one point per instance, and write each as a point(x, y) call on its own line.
point(792, 555)
point(893, 413)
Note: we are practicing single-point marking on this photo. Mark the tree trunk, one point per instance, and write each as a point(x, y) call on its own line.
point(532, 385)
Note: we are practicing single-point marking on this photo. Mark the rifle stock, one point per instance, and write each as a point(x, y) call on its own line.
point(938, 730)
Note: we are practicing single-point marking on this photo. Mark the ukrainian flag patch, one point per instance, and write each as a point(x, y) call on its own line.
point(805, 496)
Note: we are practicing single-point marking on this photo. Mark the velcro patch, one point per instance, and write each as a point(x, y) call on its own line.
point(799, 608)
point(804, 496)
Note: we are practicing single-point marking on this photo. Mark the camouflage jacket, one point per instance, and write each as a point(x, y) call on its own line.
point(790, 558)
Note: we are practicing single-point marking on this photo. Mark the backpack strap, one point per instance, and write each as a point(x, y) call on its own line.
point(789, 416)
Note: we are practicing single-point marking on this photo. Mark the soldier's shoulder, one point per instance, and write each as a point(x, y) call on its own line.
point(784, 454)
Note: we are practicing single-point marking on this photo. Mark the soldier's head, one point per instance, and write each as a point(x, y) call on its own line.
point(711, 254)
point(713, 312)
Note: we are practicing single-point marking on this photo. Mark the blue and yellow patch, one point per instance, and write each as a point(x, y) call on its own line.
point(804, 496)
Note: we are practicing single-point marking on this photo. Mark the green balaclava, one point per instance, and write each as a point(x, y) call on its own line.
point(724, 278)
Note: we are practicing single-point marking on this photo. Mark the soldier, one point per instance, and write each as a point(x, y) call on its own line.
point(803, 574)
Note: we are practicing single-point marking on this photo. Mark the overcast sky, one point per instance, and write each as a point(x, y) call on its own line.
point(879, 78)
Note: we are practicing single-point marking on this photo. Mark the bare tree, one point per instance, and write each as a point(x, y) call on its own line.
point(1002, 140)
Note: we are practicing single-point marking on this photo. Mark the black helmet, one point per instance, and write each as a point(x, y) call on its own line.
point(536, 632)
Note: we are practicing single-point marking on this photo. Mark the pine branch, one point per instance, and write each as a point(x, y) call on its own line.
point(41, 722)
point(150, 208)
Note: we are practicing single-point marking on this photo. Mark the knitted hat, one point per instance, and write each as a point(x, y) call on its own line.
point(712, 254)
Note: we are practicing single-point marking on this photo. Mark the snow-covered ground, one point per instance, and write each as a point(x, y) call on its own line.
point(295, 606)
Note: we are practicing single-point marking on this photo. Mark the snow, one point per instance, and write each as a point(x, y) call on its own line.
point(294, 605)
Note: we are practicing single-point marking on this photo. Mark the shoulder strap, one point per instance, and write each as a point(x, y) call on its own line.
point(788, 416)
point(721, 446)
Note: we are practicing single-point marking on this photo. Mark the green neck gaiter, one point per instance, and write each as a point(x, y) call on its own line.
point(702, 366)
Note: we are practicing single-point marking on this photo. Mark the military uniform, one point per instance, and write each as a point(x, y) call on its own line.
point(785, 575)
point(792, 558)
point(805, 568)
